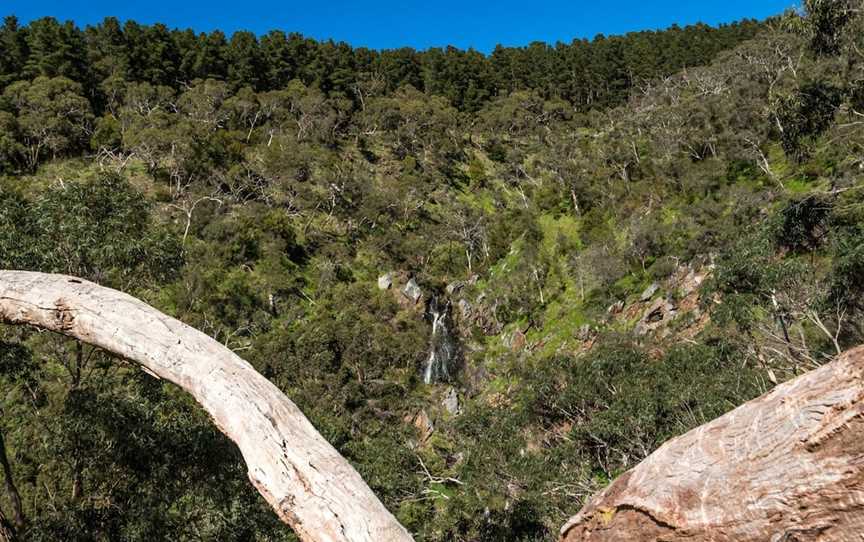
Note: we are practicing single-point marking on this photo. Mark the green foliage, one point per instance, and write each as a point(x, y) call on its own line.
point(13, 52)
point(16, 226)
point(261, 199)
point(477, 173)
point(51, 116)
point(107, 134)
point(623, 405)
point(804, 115)
point(827, 20)
point(118, 442)
point(16, 363)
point(804, 224)
point(746, 278)
point(11, 150)
point(587, 74)
point(97, 230)
point(847, 274)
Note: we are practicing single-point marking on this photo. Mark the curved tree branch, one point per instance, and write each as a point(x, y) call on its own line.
point(786, 466)
point(309, 485)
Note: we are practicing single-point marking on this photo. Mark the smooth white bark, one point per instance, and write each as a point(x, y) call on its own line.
point(306, 481)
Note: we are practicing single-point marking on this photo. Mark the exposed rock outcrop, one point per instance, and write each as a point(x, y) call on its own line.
point(649, 292)
point(412, 291)
point(659, 313)
point(786, 466)
point(451, 402)
point(385, 281)
point(423, 423)
point(479, 314)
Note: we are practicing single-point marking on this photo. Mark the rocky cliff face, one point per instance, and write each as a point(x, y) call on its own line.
point(788, 466)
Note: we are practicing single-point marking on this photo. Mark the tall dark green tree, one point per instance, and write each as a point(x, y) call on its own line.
point(245, 65)
point(56, 49)
point(13, 51)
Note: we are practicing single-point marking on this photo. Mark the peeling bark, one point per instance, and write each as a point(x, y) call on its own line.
point(788, 466)
point(309, 485)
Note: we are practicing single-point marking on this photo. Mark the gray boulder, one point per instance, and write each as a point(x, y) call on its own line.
point(412, 291)
point(385, 281)
point(451, 402)
point(616, 307)
point(649, 292)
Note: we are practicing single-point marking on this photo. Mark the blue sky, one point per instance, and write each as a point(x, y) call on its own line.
point(419, 24)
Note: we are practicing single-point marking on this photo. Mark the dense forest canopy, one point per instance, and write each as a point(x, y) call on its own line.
point(493, 283)
point(588, 74)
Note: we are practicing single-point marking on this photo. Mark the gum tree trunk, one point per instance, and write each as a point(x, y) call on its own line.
point(309, 485)
point(788, 466)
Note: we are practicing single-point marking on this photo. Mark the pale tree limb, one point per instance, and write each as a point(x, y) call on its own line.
point(188, 209)
point(786, 466)
point(833, 336)
point(309, 485)
point(762, 161)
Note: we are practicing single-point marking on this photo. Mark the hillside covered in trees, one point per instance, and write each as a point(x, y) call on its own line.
point(493, 283)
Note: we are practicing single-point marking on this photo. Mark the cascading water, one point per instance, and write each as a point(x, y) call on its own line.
point(443, 347)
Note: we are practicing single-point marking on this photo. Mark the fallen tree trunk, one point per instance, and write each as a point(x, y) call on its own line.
point(309, 485)
point(788, 466)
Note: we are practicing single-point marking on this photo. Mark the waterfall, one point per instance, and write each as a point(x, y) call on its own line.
point(443, 347)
